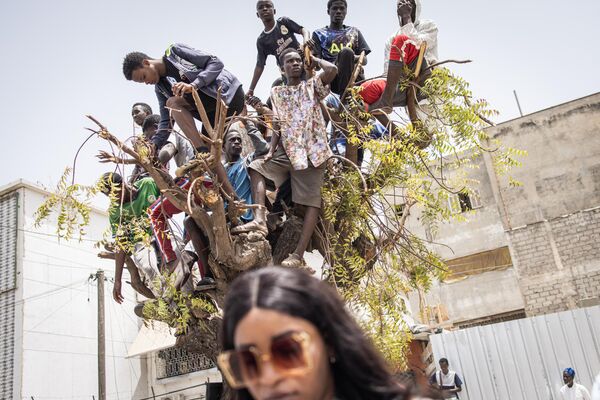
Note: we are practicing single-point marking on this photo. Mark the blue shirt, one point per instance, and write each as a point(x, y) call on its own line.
point(330, 42)
point(240, 180)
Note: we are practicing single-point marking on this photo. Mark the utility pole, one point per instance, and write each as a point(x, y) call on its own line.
point(101, 338)
point(518, 102)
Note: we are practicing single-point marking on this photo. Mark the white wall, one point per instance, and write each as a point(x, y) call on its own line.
point(59, 315)
point(523, 359)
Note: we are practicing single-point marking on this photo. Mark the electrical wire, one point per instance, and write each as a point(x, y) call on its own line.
point(42, 233)
point(112, 345)
point(40, 295)
point(131, 367)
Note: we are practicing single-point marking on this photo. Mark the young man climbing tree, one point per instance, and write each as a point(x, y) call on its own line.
point(128, 215)
point(298, 148)
point(339, 44)
point(139, 112)
point(177, 148)
point(402, 50)
point(174, 76)
point(237, 173)
point(163, 209)
point(277, 36)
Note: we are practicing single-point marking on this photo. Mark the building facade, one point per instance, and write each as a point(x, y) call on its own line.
point(48, 310)
point(526, 250)
point(48, 318)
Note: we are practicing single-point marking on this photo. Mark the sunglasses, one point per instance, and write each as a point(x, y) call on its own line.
point(288, 354)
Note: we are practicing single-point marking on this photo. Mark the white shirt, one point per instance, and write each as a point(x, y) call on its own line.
point(575, 392)
point(596, 389)
point(418, 32)
point(185, 151)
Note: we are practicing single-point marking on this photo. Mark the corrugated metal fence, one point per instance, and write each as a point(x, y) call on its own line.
point(524, 359)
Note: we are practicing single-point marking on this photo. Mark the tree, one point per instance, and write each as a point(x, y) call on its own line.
point(369, 254)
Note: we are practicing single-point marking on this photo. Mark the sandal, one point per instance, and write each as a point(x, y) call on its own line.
point(252, 226)
point(293, 261)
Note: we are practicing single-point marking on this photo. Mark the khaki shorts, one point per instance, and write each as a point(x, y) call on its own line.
point(306, 183)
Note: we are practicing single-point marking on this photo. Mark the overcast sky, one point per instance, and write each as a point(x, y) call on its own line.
point(61, 59)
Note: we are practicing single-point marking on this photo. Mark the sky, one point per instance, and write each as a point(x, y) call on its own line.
point(62, 59)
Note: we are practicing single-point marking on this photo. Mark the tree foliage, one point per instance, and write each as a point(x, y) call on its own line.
point(370, 255)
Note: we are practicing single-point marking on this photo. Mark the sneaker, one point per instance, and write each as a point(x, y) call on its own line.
point(205, 284)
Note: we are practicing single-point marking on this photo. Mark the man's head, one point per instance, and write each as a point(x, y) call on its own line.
point(150, 125)
point(568, 376)
point(444, 365)
point(111, 182)
point(233, 144)
point(291, 62)
point(265, 10)
point(139, 112)
point(402, 4)
point(337, 10)
point(138, 67)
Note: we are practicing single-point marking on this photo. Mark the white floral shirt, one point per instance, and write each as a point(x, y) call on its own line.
point(302, 126)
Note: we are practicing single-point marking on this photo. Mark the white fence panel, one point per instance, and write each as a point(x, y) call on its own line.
point(523, 359)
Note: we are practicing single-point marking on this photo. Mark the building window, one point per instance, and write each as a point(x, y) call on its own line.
point(492, 260)
point(176, 362)
point(492, 319)
point(464, 202)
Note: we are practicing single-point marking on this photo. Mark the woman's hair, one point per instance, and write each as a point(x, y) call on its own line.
point(358, 371)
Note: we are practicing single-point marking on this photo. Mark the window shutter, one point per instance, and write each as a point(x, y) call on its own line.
point(475, 198)
point(454, 204)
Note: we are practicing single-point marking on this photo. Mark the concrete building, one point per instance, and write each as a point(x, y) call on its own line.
point(48, 318)
point(529, 250)
point(173, 373)
point(48, 309)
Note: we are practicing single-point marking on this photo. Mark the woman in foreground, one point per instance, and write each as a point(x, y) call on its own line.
point(288, 336)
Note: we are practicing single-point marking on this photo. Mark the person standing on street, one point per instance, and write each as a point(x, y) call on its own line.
point(572, 390)
point(446, 380)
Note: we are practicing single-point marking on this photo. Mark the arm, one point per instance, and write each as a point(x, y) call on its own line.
point(210, 65)
point(296, 28)
point(164, 126)
point(458, 383)
point(331, 108)
point(433, 381)
point(386, 54)
point(106, 157)
point(166, 153)
point(119, 263)
point(261, 147)
point(316, 48)
point(427, 32)
point(362, 46)
point(305, 35)
point(274, 141)
point(261, 60)
point(258, 71)
point(586, 394)
point(329, 71)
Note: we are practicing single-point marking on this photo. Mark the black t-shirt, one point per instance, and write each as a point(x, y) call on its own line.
point(331, 41)
point(274, 42)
